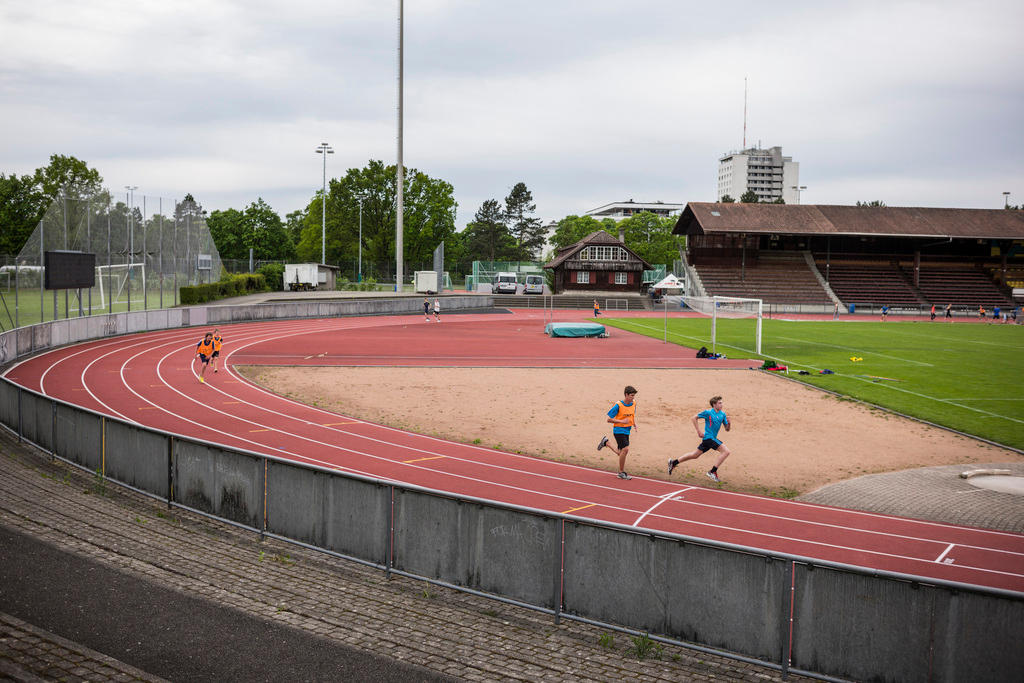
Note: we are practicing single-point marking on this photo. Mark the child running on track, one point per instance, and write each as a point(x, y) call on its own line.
point(713, 419)
point(426, 309)
point(204, 349)
point(623, 416)
point(218, 342)
point(437, 310)
point(597, 308)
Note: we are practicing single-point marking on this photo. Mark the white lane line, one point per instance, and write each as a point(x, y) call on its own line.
point(671, 495)
point(944, 553)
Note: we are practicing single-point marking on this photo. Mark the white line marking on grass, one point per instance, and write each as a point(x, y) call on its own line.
point(850, 348)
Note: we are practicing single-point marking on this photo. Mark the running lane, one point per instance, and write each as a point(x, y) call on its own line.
point(152, 379)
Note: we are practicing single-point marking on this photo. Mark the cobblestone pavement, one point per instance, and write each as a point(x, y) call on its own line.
point(933, 493)
point(443, 631)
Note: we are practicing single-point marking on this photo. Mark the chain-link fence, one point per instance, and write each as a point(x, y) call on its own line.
point(145, 250)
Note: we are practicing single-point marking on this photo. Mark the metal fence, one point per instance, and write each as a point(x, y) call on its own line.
point(788, 612)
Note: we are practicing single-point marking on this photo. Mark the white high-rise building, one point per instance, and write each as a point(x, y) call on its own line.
point(765, 171)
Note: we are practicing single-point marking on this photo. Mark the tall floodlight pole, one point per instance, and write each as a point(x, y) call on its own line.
point(324, 149)
point(399, 182)
point(1006, 200)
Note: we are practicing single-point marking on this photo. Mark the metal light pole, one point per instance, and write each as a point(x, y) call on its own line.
point(799, 189)
point(399, 169)
point(1006, 200)
point(131, 243)
point(360, 198)
point(324, 149)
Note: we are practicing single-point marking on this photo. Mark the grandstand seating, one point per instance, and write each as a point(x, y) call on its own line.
point(959, 285)
point(874, 282)
point(775, 278)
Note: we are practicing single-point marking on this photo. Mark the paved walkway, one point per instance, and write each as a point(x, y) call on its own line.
point(99, 583)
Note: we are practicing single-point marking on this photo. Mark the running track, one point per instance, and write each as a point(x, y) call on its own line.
point(151, 379)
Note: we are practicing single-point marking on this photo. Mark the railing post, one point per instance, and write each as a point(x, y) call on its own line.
point(20, 419)
point(170, 471)
point(390, 543)
point(53, 428)
point(788, 602)
point(559, 571)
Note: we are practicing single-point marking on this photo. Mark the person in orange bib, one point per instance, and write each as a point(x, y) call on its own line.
point(597, 308)
point(623, 417)
point(204, 349)
point(218, 342)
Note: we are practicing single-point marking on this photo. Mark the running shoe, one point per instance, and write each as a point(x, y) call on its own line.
point(713, 477)
point(623, 475)
point(604, 442)
point(672, 465)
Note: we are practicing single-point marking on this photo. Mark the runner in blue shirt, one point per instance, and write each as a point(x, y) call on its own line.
point(713, 420)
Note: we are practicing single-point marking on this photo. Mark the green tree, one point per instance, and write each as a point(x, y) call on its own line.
point(749, 197)
point(779, 200)
point(265, 233)
point(727, 199)
point(293, 224)
point(651, 237)
point(873, 202)
point(429, 216)
point(69, 174)
point(227, 228)
point(525, 229)
point(487, 238)
point(572, 229)
point(22, 205)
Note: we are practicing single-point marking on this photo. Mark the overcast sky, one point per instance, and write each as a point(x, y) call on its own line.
point(587, 102)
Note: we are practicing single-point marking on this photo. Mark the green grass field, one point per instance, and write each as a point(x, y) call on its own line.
point(966, 376)
point(30, 312)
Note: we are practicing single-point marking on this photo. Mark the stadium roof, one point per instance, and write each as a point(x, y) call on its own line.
point(702, 218)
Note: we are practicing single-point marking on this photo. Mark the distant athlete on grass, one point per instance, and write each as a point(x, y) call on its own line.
point(713, 420)
point(623, 416)
point(204, 349)
point(218, 342)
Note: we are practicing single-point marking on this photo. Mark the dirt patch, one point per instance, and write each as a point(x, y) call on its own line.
point(786, 439)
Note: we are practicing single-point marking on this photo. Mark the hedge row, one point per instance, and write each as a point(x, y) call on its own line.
point(235, 285)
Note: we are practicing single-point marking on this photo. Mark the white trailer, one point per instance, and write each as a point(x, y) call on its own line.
point(301, 276)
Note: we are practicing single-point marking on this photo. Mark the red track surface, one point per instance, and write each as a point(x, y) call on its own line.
point(152, 379)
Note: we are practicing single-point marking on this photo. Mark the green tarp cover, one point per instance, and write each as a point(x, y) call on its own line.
point(574, 329)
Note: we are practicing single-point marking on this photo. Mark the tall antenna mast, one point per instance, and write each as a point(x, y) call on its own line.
point(744, 112)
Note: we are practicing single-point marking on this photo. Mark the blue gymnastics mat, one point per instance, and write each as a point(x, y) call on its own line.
point(575, 330)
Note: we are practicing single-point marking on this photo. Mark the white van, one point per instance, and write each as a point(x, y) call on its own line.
point(534, 284)
point(504, 283)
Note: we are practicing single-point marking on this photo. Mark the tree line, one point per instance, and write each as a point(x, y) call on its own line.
point(501, 230)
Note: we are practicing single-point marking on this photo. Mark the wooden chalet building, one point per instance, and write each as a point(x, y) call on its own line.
point(597, 263)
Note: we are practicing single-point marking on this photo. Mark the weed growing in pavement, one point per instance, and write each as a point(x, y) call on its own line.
point(282, 558)
point(428, 594)
point(260, 558)
point(644, 647)
point(606, 640)
point(477, 442)
point(490, 612)
point(99, 484)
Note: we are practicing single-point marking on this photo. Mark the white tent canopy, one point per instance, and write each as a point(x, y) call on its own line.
point(670, 282)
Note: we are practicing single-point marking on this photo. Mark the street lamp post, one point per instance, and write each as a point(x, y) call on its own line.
point(360, 198)
point(324, 149)
point(1006, 200)
point(799, 189)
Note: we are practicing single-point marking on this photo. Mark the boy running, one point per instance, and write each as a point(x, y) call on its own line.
point(218, 342)
point(597, 308)
point(204, 349)
point(713, 420)
point(426, 309)
point(623, 416)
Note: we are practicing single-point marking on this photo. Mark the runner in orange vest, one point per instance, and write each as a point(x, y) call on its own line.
point(218, 342)
point(204, 349)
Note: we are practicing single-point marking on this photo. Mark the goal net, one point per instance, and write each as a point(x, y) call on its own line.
point(726, 307)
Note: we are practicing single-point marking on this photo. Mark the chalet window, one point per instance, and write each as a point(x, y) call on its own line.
point(620, 278)
point(582, 277)
point(603, 253)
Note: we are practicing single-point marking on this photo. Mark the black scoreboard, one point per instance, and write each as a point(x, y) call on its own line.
point(69, 270)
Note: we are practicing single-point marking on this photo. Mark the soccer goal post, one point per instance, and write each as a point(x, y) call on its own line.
point(717, 307)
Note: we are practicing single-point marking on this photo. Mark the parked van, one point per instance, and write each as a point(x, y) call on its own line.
point(504, 283)
point(534, 284)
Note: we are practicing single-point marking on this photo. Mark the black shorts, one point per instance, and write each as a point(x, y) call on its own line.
point(215, 354)
point(708, 445)
point(203, 358)
point(949, 314)
point(621, 440)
